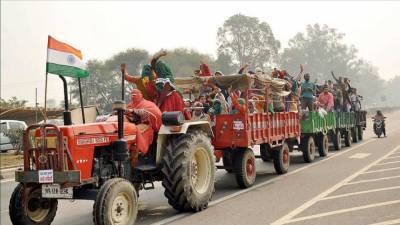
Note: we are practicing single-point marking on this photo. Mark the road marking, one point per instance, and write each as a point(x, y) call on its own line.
point(4, 211)
point(7, 180)
point(215, 202)
point(372, 180)
point(343, 211)
point(393, 157)
point(360, 192)
point(11, 169)
point(388, 222)
point(311, 202)
point(379, 164)
point(382, 170)
point(359, 155)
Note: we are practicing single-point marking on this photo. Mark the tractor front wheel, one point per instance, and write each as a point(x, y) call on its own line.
point(281, 159)
point(308, 148)
point(245, 167)
point(31, 209)
point(189, 171)
point(116, 203)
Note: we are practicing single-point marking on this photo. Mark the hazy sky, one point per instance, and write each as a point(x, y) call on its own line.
point(101, 29)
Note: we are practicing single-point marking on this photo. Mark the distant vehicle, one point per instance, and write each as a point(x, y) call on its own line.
point(6, 125)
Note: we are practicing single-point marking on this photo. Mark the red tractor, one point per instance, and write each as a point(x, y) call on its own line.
point(99, 161)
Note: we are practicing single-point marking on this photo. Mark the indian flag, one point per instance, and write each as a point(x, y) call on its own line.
point(64, 60)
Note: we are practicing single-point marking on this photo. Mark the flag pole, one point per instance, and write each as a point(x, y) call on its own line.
point(45, 85)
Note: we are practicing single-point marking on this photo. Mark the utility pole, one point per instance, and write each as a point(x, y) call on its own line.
point(36, 105)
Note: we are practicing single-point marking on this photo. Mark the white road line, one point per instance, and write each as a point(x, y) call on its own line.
point(311, 202)
point(360, 192)
point(11, 169)
point(393, 157)
point(359, 155)
point(379, 164)
point(387, 222)
point(343, 211)
point(382, 170)
point(178, 216)
point(4, 211)
point(7, 180)
point(372, 180)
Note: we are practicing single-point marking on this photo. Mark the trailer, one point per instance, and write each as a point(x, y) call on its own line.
point(235, 135)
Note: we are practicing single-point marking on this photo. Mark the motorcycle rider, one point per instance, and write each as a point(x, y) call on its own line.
point(379, 116)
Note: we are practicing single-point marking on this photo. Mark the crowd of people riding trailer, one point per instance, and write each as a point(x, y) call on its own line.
point(176, 130)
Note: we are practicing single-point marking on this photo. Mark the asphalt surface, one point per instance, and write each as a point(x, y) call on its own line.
point(357, 185)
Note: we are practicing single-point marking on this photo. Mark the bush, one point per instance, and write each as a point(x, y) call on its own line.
point(15, 135)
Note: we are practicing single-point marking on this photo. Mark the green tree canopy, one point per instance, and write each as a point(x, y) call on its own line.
point(246, 39)
point(13, 102)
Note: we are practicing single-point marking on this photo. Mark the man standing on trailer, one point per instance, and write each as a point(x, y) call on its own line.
point(307, 93)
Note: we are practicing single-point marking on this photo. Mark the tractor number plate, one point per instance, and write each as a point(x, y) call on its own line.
point(55, 191)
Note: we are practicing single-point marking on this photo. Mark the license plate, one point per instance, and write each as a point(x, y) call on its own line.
point(55, 191)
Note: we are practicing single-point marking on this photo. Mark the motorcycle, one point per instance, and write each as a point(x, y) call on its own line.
point(378, 126)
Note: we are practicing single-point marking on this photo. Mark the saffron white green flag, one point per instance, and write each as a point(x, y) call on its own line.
point(64, 60)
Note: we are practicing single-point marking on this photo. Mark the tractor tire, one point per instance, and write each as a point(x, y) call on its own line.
point(227, 160)
point(245, 167)
point(323, 145)
point(189, 171)
point(354, 132)
point(337, 140)
point(29, 210)
point(265, 152)
point(116, 203)
point(281, 159)
point(308, 149)
point(360, 133)
point(347, 138)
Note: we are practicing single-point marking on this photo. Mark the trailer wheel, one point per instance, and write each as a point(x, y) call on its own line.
point(337, 140)
point(308, 148)
point(227, 161)
point(265, 152)
point(189, 171)
point(347, 138)
point(323, 145)
point(360, 133)
point(116, 203)
point(32, 209)
point(281, 159)
point(245, 167)
point(354, 132)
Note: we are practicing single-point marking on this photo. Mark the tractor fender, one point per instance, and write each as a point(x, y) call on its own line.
point(166, 131)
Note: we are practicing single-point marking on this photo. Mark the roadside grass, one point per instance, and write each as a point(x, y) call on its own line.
point(10, 159)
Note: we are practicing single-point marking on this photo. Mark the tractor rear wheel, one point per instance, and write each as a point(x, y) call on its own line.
point(337, 140)
point(323, 145)
point(227, 160)
point(116, 203)
point(281, 159)
point(265, 152)
point(347, 138)
point(245, 167)
point(32, 209)
point(308, 148)
point(354, 132)
point(189, 171)
point(360, 133)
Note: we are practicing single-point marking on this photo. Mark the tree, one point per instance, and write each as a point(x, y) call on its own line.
point(13, 102)
point(391, 91)
point(246, 39)
point(51, 103)
point(321, 49)
point(184, 61)
point(103, 86)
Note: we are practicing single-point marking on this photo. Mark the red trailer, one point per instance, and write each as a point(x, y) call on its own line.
point(235, 135)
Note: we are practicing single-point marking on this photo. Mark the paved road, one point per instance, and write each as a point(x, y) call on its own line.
point(357, 185)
